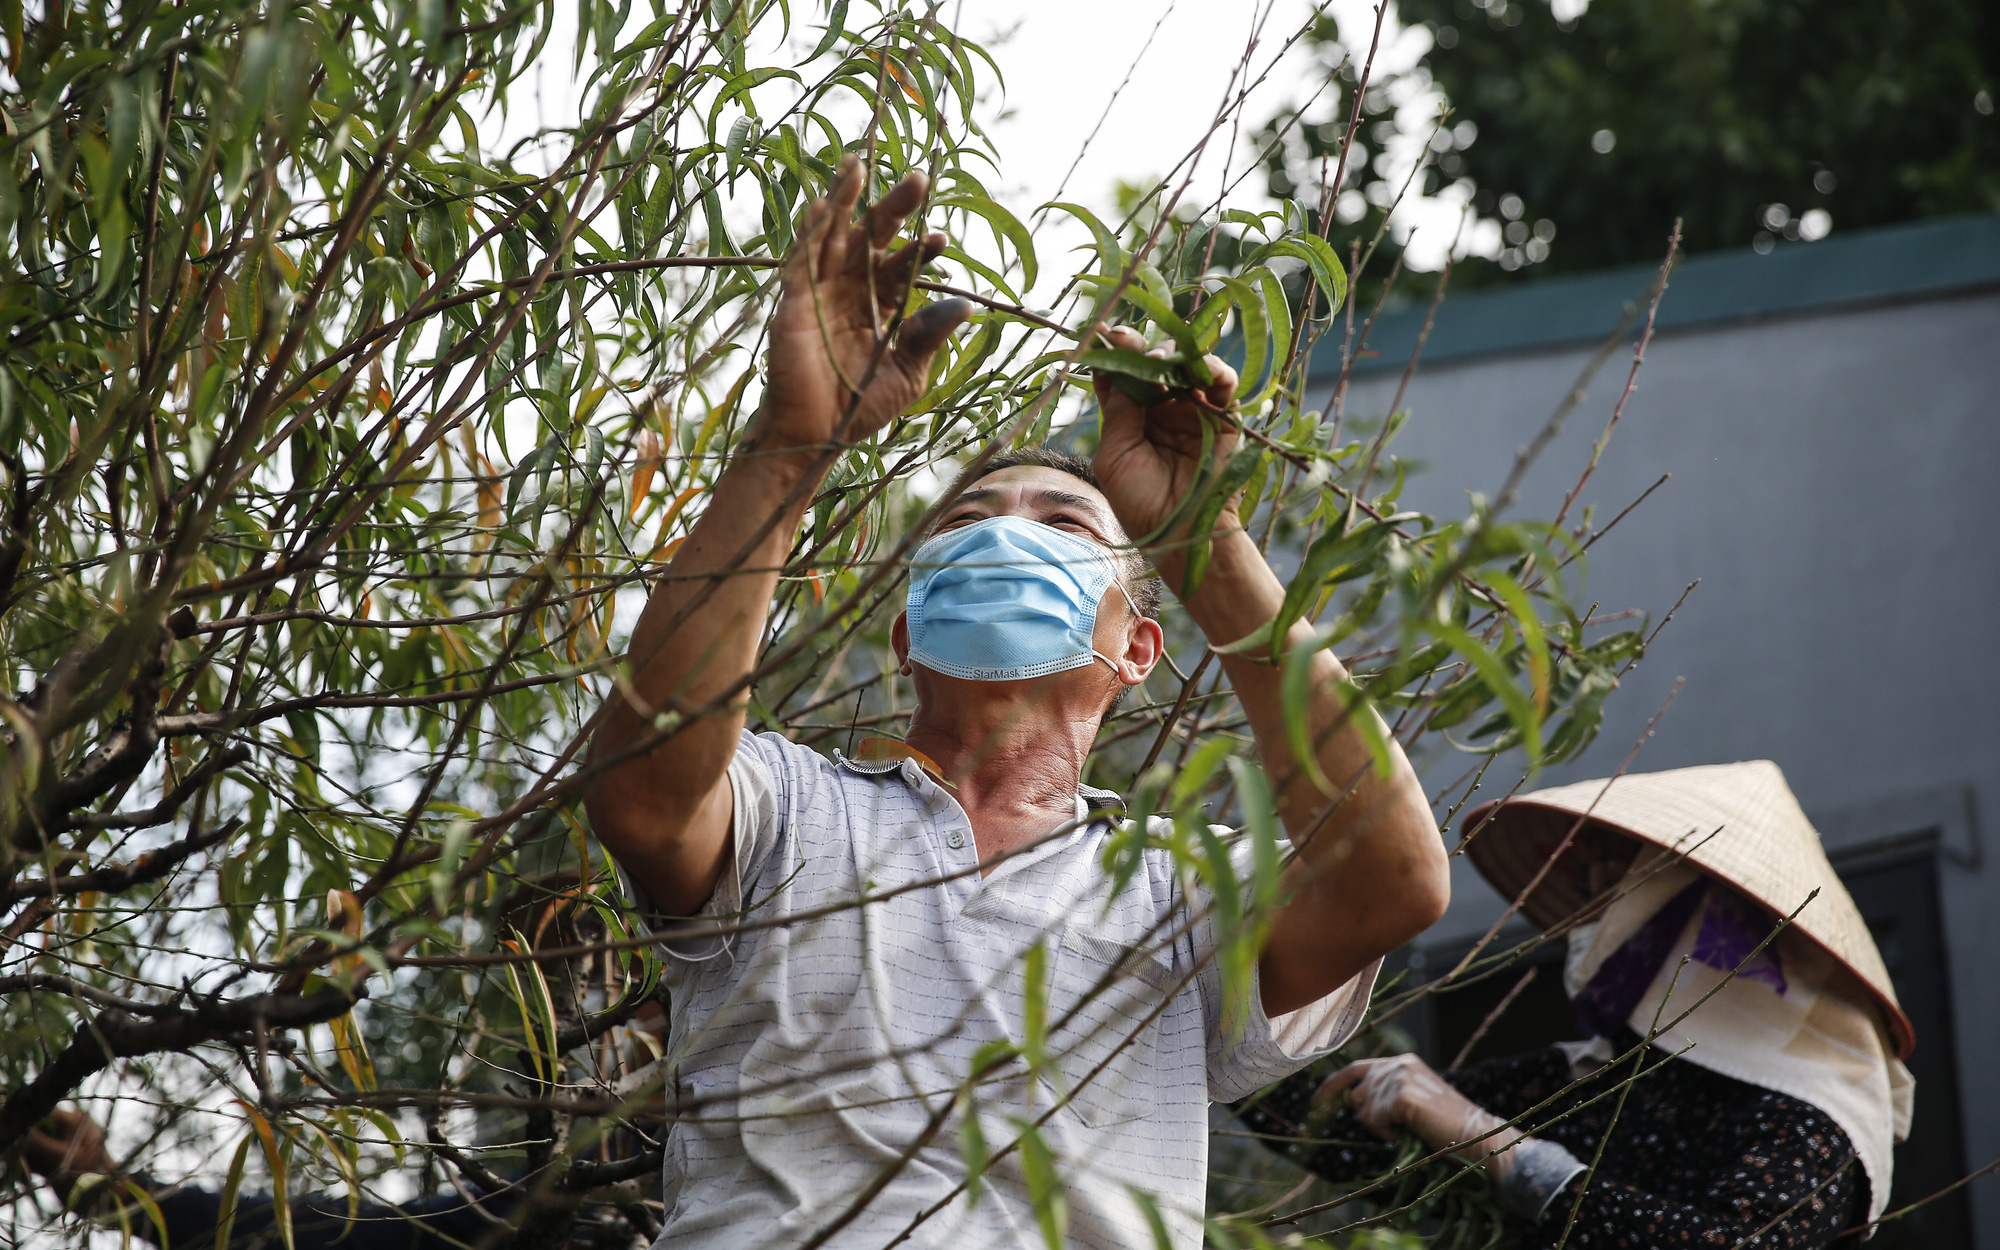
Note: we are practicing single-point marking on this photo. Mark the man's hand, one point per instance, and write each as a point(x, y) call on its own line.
point(842, 291)
point(65, 1148)
point(1149, 456)
point(1401, 1092)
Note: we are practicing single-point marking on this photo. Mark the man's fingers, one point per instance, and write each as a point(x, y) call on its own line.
point(1125, 337)
point(1221, 392)
point(812, 239)
point(893, 276)
point(885, 216)
point(926, 330)
point(1371, 1086)
point(841, 198)
point(1380, 1097)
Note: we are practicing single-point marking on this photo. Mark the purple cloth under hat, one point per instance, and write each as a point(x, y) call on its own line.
point(1731, 927)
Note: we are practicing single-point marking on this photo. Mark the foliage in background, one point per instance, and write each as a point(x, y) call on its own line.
point(1587, 130)
point(1738, 118)
point(340, 429)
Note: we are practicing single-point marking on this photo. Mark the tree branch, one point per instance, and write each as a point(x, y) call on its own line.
point(112, 878)
point(52, 983)
point(116, 1035)
point(164, 810)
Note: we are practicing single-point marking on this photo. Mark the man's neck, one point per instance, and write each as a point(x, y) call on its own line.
point(1013, 764)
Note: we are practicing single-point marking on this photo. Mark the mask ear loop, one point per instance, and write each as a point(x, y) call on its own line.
point(1120, 584)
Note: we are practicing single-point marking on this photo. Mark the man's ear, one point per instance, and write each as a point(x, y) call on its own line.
point(899, 638)
point(1145, 644)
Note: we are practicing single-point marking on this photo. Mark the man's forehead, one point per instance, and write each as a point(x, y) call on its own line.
point(1037, 484)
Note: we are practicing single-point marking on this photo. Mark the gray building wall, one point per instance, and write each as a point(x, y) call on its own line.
point(1833, 488)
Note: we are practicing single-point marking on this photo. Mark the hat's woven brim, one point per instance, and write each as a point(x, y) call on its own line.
point(1737, 822)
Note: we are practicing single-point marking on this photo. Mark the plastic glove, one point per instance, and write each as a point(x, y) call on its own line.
point(1403, 1092)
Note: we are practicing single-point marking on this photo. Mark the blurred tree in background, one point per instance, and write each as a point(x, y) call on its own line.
point(1578, 134)
point(1747, 119)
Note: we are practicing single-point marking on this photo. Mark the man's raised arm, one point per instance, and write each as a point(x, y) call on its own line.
point(1371, 873)
point(662, 802)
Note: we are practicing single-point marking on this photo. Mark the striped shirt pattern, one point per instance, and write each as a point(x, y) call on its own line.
point(820, 1055)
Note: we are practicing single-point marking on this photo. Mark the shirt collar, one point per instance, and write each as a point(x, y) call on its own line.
point(880, 755)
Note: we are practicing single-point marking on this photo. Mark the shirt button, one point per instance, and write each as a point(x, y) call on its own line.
point(955, 839)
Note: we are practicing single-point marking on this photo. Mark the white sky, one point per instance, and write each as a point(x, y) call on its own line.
point(1065, 61)
point(1161, 68)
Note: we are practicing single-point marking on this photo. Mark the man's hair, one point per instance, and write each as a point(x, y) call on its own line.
point(1140, 583)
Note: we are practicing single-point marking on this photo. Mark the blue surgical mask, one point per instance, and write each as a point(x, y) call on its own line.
point(1007, 598)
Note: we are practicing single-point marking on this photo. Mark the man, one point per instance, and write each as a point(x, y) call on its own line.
point(821, 1048)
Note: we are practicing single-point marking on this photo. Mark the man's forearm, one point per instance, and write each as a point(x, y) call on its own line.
point(703, 622)
point(1371, 871)
point(692, 647)
point(1240, 595)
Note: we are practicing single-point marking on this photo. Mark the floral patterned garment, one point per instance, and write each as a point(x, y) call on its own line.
point(1695, 1158)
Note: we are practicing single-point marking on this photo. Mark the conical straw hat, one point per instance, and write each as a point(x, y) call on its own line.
point(1738, 822)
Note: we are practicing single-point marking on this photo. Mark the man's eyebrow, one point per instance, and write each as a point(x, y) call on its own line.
point(975, 494)
point(1051, 495)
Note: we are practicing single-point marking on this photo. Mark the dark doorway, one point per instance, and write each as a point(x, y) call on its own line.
point(1896, 889)
point(1538, 1015)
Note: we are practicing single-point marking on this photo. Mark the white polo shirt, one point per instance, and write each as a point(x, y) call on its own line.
point(814, 1057)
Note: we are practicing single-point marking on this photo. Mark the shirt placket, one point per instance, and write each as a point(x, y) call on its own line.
point(944, 819)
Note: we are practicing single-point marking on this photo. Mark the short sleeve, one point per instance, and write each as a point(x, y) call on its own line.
point(754, 831)
point(1267, 1048)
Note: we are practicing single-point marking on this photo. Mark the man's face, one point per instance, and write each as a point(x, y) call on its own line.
point(1054, 498)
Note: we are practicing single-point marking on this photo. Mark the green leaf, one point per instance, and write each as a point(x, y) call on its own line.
point(1193, 776)
point(445, 867)
point(1110, 257)
point(1295, 703)
point(1256, 336)
point(1279, 310)
point(1035, 1008)
point(740, 86)
point(274, 1159)
point(739, 139)
point(1209, 319)
point(1005, 226)
point(138, 1193)
point(972, 1148)
point(1320, 258)
point(1219, 491)
point(1162, 315)
point(1158, 370)
point(1045, 1186)
point(1258, 639)
point(971, 356)
point(1155, 1223)
point(1334, 557)
point(232, 1185)
point(1500, 680)
point(836, 21)
point(1533, 638)
point(719, 415)
point(1261, 827)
